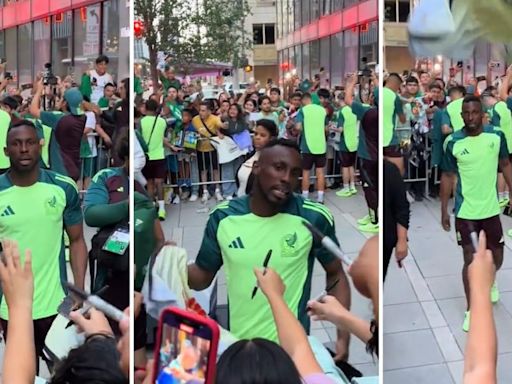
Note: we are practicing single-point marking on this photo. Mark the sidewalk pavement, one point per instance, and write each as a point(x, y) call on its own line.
point(424, 306)
point(185, 226)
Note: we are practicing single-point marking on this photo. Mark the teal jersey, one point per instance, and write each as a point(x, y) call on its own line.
point(475, 160)
point(391, 109)
point(239, 240)
point(501, 118)
point(360, 110)
point(35, 217)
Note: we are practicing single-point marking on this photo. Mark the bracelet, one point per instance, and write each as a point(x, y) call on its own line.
point(99, 334)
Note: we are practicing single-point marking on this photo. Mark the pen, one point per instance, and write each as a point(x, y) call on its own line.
point(321, 296)
point(328, 243)
point(265, 264)
point(98, 303)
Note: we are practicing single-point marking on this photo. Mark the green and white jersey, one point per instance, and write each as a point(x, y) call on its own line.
point(453, 115)
point(475, 159)
point(240, 240)
point(5, 121)
point(501, 118)
point(35, 217)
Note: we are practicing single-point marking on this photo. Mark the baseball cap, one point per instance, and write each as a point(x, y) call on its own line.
point(74, 100)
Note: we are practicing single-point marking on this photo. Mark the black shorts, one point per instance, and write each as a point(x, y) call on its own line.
point(207, 161)
point(392, 151)
point(491, 226)
point(348, 159)
point(3, 170)
point(140, 335)
point(155, 169)
point(308, 160)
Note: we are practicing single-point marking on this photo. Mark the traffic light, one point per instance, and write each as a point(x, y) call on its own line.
point(138, 28)
point(248, 68)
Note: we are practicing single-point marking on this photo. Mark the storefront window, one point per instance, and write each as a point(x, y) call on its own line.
point(369, 41)
point(325, 62)
point(62, 28)
point(337, 5)
point(351, 51)
point(314, 53)
point(298, 59)
point(305, 61)
point(11, 52)
point(25, 54)
point(42, 45)
point(315, 9)
point(326, 6)
point(337, 59)
point(2, 44)
point(305, 12)
point(297, 14)
point(111, 35)
point(87, 37)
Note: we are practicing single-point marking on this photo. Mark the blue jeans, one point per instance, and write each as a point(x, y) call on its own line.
point(229, 173)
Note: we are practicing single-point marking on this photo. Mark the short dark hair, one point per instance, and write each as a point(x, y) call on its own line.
point(21, 123)
point(306, 95)
point(275, 89)
point(457, 88)
point(322, 92)
point(208, 105)
point(264, 98)
point(473, 99)
point(102, 59)
point(269, 125)
point(151, 105)
point(296, 94)
point(251, 101)
point(394, 75)
point(283, 143)
point(435, 85)
point(411, 79)
point(256, 361)
point(110, 85)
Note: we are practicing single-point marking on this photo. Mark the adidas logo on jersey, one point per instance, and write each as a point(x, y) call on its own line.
point(464, 152)
point(237, 244)
point(8, 211)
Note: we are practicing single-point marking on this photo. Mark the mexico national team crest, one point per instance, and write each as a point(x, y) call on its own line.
point(288, 244)
point(51, 204)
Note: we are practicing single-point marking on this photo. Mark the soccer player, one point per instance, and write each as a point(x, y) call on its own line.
point(474, 154)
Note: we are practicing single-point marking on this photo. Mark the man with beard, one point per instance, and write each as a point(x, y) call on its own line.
point(36, 205)
point(241, 232)
point(474, 154)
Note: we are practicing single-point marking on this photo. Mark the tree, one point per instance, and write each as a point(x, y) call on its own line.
point(194, 31)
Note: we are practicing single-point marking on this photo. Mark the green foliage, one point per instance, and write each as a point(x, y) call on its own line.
point(195, 31)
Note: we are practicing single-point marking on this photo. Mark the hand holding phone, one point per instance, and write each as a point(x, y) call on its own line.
point(185, 347)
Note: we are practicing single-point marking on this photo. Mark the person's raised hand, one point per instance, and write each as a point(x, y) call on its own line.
point(17, 279)
point(269, 282)
point(328, 309)
point(95, 322)
point(482, 271)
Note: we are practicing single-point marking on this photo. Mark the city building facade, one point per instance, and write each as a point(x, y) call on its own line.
point(326, 37)
point(69, 34)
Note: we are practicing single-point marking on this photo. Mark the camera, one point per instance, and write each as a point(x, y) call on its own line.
point(48, 76)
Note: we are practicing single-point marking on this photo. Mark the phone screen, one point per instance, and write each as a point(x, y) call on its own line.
point(184, 351)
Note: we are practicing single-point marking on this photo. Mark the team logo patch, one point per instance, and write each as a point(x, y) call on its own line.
point(288, 244)
point(7, 211)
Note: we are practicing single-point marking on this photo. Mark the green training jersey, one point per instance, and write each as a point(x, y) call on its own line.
point(239, 240)
point(453, 115)
point(392, 108)
point(35, 217)
point(501, 118)
point(312, 139)
point(349, 137)
point(475, 160)
point(153, 134)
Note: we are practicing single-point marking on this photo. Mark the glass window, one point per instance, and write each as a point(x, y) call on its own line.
point(349, 3)
point(11, 52)
point(298, 59)
point(337, 59)
point(315, 9)
point(42, 44)
point(351, 51)
point(404, 8)
point(2, 44)
point(337, 5)
point(270, 37)
point(62, 28)
point(314, 54)
point(305, 61)
point(279, 18)
point(369, 41)
point(111, 33)
point(325, 62)
point(390, 10)
point(297, 14)
point(25, 54)
point(257, 34)
point(291, 15)
point(305, 12)
point(285, 10)
point(325, 6)
point(291, 58)
point(87, 37)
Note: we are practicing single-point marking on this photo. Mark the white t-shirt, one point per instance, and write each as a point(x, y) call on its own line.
point(98, 88)
point(244, 172)
point(90, 122)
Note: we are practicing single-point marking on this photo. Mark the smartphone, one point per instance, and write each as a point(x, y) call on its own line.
point(185, 348)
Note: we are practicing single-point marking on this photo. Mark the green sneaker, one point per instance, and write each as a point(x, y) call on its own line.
point(495, 293)
point(370, 227)
point(161, 214)
point(503, 203)
point(345, 192)
point(353, 190)
point(366, 220)
point(465, 325)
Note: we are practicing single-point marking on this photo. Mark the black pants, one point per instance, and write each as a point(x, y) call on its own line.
point(386, 258)
point(370, 178)
point(41, 328)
